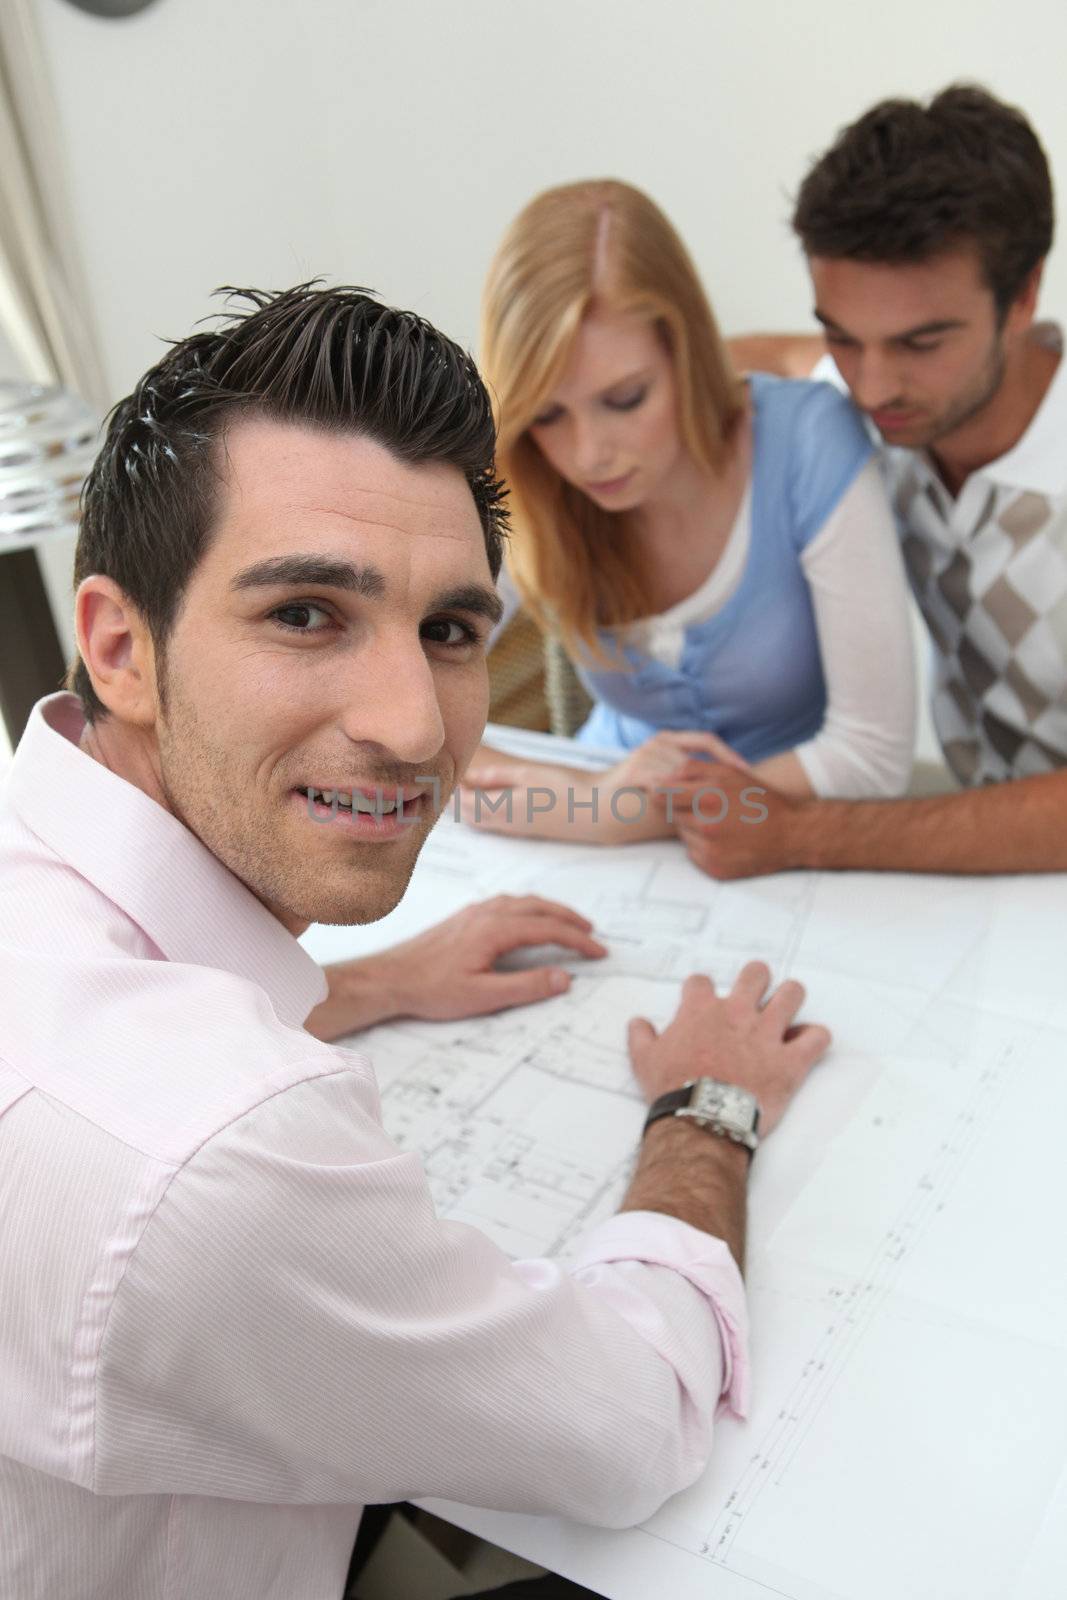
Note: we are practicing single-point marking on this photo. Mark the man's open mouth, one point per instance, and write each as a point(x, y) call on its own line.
point(374, 802)
point(382, 810)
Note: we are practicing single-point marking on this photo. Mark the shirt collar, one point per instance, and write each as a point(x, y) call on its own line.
point(151, 865)
point(1039, 460)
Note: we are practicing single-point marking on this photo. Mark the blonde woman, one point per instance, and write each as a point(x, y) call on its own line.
point(716, 554)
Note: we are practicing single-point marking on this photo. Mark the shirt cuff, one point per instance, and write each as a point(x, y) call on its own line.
point(658, 1240)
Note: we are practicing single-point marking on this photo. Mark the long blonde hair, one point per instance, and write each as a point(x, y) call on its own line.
point(576, 565)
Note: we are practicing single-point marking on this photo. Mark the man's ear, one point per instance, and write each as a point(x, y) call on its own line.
point(116, 646)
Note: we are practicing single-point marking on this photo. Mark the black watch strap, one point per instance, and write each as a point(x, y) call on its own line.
point(668, 1104)
point(724, 1109)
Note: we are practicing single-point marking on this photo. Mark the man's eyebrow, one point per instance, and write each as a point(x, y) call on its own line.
point(323, 572)
point(924, 330)
point(472, 597)
point(314, 571)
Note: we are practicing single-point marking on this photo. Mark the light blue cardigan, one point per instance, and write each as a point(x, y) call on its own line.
point(752, 672)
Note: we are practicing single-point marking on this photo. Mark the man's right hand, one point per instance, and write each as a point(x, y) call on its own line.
point(739, 1038)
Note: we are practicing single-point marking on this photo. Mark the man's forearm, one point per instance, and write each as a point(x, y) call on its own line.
point(1017, 826)
point(694, 1175)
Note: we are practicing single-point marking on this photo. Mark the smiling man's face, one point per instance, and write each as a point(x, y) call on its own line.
point(331, 638)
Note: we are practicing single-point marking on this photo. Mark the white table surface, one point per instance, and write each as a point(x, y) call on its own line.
point(907, 1285)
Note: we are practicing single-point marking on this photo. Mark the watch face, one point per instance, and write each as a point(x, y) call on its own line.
point(725, 1103)
point(707, 1098)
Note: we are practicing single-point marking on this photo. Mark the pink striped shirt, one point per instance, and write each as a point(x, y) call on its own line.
point(229, 1316)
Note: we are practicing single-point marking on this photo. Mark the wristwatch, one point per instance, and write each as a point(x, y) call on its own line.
point(722, 1108)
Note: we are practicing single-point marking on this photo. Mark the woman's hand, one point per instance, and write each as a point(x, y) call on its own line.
point(532, 799)
point(535, 799)
point(495, 769)
point(671, 757)
point(541, 801)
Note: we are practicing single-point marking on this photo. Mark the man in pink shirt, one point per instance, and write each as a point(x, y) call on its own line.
point(231, 1317)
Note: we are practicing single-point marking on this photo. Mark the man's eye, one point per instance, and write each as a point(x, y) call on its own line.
point(628, 402)
point(922, 349)
point(447, 631)
point(296, 617)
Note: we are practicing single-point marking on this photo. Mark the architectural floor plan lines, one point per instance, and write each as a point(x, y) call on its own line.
point(853, 1304)
point(905, 1278)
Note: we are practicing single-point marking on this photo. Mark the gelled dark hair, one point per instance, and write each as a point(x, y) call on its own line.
point(335, 359)
point(906, 182)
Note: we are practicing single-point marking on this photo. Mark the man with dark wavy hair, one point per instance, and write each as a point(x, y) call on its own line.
point(231, 1317)
point(926, 229)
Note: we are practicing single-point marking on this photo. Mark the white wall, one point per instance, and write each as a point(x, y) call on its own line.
point(388, 142)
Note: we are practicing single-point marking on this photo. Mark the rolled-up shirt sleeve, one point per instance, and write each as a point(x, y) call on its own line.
point(328, 1339)
point(637, 1240)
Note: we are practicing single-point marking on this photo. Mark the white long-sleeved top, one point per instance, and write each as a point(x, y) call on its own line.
point(230, 1316)
point(859, 596)
point(865, 745)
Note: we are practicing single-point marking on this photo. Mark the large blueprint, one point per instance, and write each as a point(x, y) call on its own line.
point(907, 1271)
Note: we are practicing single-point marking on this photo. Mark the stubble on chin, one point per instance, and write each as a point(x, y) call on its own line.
point(303, 877)
point(255, 833)
point(352, 882)
point(364, 891)
point(968, 405)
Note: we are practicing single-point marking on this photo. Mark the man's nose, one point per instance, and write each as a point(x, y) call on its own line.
point(874, 381)
point(392, 700)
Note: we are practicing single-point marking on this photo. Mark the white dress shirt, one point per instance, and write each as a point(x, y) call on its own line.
point(988, 567)
point(229, 1316)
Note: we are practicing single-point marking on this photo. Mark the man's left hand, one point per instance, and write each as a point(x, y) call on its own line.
point(732, 825)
